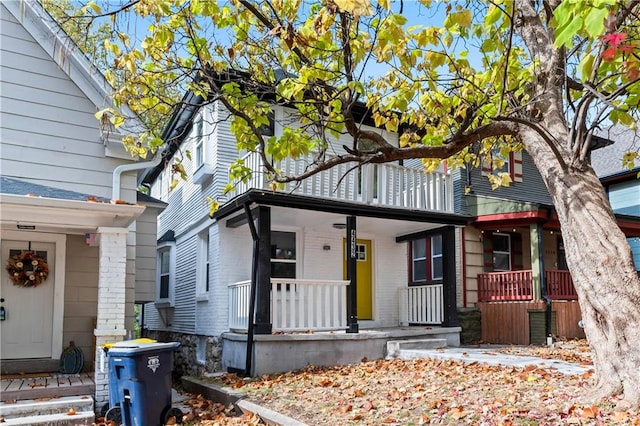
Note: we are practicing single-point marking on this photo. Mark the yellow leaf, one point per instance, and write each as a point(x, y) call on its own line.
point(355, 7)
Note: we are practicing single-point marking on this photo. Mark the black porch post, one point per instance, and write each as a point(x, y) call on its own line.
point(449, 277)
point(352, 307)
point(263, 296)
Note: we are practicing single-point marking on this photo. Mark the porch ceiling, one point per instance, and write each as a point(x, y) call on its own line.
point(70, 216)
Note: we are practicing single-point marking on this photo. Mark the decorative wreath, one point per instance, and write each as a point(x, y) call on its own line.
point(27, 269)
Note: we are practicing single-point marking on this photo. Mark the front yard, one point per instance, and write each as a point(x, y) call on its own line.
point(427, 391)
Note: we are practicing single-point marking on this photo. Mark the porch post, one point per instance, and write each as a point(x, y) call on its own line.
point(535, 230)
point(352, 306)
point(110, 324)
point(449, 277)
point(263, 295)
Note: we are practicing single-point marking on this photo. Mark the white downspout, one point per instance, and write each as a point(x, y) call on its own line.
point(117, 173)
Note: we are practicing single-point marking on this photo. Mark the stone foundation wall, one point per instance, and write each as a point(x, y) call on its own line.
point(185, 358)
point(471, 323)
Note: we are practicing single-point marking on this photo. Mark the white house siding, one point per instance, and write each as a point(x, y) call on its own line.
point(145, 274)
point(81, 295)
point(48, 122)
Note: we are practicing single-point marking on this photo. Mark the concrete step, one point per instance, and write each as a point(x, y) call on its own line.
point(395, 346)
point(54, 411)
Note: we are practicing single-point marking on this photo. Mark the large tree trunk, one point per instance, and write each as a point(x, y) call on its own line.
point(601, 264)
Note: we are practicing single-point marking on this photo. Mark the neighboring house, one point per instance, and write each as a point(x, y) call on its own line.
point(621, 183)
point(394, 224)
point(68, 195)
point(514, 268)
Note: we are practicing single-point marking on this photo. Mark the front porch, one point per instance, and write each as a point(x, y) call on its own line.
point(321, 305)
point(17, 387)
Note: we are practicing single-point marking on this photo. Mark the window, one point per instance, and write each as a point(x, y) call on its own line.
point(426, 259)
point(283, 254)
point(495, 162)
point(202, 275)
point(501, 163)
point(165, 274)
point(501, 252)
point(199, 141)
point(436, 257)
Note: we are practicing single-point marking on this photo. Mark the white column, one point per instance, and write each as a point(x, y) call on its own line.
point(110, 325)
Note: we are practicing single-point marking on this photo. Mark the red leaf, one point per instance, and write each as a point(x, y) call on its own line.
point(614, 39)
point(609, 54)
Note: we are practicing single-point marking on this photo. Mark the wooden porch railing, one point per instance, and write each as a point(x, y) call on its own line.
point(383, 184)
point(560, 285)
point(510, 285)
point(421, 305)
point(518, 285)
point(296, 305)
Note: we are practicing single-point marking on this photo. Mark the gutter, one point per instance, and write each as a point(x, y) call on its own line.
point(117, 173)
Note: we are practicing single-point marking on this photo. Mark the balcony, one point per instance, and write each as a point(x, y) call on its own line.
point(388, 185)
point(518, 285)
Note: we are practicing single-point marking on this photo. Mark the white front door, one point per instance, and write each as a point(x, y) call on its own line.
point(27, 330)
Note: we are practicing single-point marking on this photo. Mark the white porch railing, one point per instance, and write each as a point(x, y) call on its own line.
point(382, 184)
point(296, 305)
point(421, 305)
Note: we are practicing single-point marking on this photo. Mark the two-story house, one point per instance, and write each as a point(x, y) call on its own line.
point(327, 268)
point(78, 244)
point(515, 271)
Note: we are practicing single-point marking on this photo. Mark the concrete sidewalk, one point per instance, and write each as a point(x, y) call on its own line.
point(489, 356)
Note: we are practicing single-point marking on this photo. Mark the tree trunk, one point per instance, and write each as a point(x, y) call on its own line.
point(601, 264)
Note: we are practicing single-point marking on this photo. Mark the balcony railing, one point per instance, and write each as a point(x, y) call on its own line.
point(296, 305)
point(560, 285)
point(518, 285)
point(421, 305)
point(511, 285)
point(382, 184)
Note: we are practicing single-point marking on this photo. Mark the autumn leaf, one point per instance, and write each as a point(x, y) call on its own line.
point(590, 412)
point(614, 39)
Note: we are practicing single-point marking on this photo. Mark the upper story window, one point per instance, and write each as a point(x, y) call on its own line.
point(283, 254)
point(165, 274)
point(426, 259)
point(501, 252)
point(199, 141)
point(496, 162)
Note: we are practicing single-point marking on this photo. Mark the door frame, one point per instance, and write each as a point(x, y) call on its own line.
point(58, 279)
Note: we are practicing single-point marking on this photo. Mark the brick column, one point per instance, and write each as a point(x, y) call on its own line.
point(110, 326)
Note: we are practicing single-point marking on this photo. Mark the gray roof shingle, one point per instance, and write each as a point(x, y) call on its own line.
point(607, 161)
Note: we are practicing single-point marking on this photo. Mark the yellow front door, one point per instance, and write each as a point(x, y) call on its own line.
point(363, 278)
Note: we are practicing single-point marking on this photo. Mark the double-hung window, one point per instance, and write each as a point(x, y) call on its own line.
point(202, 276)
point(501, 252)
point(199, 141)
point(426, 259)
point(165, 274)
point(283, 254)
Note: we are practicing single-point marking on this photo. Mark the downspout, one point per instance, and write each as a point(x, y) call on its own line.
point(118, 171)
point(253, 291)
point(543, 285)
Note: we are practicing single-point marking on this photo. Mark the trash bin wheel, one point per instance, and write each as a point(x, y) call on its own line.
point(172, 412)
point(113, 414)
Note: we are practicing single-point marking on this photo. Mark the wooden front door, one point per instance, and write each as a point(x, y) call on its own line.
point(27, 330)
point(364, 281)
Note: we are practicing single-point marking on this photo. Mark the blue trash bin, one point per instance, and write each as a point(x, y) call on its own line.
point(140, 382)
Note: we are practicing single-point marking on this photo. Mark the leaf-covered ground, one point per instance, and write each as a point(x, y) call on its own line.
point(426, 391)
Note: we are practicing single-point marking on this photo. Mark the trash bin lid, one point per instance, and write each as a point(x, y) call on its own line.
point(127, 347)
point(128, 342)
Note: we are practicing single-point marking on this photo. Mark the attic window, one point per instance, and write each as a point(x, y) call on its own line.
point(268, 130)
point(199, 140)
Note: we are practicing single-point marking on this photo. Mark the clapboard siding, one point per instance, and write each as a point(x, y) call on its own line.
point(146, 255)
point(531, 189)
point(49, 133)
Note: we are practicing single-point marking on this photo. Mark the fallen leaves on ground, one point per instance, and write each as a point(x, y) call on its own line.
point(425, 391)
point(577, 351)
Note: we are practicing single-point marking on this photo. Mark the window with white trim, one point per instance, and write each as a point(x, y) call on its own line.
point(202, 276)
point(501, 251)
point(199, 141)
point(165, 274)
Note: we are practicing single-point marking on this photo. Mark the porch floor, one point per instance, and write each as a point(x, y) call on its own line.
point(45, 385)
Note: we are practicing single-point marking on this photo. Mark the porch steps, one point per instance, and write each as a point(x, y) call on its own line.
point(54, 411)
point(394, 347)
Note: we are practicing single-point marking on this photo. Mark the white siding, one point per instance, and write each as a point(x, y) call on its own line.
point(48, 131)
point(146, 237)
